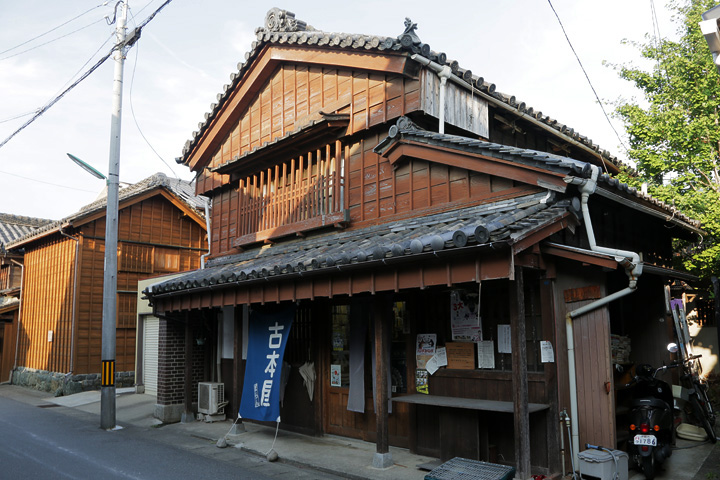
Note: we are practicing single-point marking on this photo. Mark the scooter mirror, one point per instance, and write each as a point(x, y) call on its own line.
point(672, 347)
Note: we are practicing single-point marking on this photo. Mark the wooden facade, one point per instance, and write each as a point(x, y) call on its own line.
point(323, 163)
point(63, 287)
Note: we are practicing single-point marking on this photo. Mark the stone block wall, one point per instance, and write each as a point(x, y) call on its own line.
point(65, 384)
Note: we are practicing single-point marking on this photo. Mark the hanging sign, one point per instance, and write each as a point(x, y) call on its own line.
point(268, 332)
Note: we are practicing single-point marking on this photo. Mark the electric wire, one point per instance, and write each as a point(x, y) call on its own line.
point(97, 65)
point(52, 29)
point(607, 117)
point(51, 41)
point(52, 102)
point(47, 183)
point(132, 112)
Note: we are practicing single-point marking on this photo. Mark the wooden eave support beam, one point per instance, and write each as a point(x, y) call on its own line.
point(600, 261)
point(477, 163)
point(264, 65)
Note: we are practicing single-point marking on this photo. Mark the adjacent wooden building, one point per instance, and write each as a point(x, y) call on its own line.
point(403, 203)
point(161, 229)
point(12, 227)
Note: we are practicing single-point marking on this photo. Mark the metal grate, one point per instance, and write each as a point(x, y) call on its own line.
point(466, 469)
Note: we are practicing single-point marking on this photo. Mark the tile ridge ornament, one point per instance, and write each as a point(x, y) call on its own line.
point(278, 20)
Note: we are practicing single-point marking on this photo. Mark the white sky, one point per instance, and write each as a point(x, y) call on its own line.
point(187, 53)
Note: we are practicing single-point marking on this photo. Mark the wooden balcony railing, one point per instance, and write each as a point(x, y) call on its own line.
point(302, 194)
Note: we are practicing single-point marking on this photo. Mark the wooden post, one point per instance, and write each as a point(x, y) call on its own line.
point(238, 370)
point(188, 415)
point(519, 378)
point(381, 309)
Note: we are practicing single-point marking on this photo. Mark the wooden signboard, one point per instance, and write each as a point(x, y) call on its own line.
point(460, 355)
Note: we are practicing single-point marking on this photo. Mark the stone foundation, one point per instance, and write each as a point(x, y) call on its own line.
point(63, 384)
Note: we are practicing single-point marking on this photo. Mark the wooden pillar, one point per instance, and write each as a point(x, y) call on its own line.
point(188, 415)
point(381, 311)
point(238, 370)
point(519, 378)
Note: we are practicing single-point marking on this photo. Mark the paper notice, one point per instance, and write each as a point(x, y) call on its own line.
point(546, 352)
point(504, 341)
point(486, 354)
point(436, 361)
point(441, 355)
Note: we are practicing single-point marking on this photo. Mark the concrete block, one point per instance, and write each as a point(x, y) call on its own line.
point(382, 460)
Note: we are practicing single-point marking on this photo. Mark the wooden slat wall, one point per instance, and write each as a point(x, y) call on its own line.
point(154, 225)
point(47, 305)
point(297, 93)
point(148, 226)
point(377, 190)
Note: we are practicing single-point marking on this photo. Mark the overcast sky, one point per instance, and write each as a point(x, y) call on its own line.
point(187, 53)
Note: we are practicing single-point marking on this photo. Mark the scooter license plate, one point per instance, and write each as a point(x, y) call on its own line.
point(650, 440)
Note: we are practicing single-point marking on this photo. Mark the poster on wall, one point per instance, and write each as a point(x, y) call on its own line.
point(546, 352)
point(335, 376)
point(421, 381)
point(425, 348)
point(486, 354)
point(504, 339)
point(436, 361)
point(465, 317)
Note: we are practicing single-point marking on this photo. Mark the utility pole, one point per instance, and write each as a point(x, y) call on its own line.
point(109, 320)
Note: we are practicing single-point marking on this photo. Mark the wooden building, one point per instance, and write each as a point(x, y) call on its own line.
point(161, 229)
point(398, 199)
point(12, 227)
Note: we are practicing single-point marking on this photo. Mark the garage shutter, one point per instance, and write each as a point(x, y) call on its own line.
point(150, 349)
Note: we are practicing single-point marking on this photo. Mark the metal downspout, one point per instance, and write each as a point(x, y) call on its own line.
point(633, 268)
point(444, 73)
point(74, 300)
point(207, 226)
point(22, 291)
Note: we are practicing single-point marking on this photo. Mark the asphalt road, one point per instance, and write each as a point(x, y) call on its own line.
point(57, 443)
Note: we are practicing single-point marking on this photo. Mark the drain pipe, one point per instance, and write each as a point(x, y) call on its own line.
point(633, 268)
point(207, 226)
point(444, 73)
point(20, 308)
point(74, 300)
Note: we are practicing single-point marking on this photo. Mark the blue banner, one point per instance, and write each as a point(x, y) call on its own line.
point(268, 331)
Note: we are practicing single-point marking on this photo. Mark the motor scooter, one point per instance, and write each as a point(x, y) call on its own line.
point(652, 426)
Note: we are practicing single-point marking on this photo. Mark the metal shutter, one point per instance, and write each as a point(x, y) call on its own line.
point(150, 354)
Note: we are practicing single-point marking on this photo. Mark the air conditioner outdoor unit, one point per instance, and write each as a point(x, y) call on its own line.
point(211, 398)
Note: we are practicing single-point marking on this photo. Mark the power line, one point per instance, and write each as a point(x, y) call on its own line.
point(51, 30)
point(51, 41)
point(42, 110)
point(132, 112)
point(48, 183)
point(588, 78)
point(57, 98)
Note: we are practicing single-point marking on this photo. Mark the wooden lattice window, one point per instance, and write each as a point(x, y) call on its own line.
point(135, 258)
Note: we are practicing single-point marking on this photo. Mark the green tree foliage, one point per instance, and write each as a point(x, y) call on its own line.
point(675, 134)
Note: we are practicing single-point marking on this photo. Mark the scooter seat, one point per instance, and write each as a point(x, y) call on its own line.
point(651, 402)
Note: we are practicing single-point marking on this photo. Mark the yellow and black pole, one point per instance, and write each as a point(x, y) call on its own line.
point(107, 387)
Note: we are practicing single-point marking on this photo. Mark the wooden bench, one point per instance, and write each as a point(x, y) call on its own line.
point(462, 427)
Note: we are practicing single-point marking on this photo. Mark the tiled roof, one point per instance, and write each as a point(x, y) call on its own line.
point(281, 27)
point(505, 222)
point(405, 128)
point(13, 227)
point(182, 189)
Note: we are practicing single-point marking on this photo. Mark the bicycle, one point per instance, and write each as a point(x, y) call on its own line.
point(697, 395)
